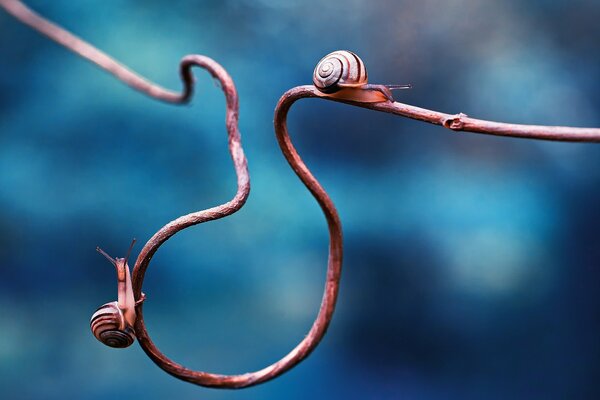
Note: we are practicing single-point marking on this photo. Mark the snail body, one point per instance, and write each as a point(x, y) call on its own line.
point(343, 75)
point(112, 323)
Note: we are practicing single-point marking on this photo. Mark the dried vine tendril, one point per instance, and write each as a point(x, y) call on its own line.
point(375, 97)
point(302, 350)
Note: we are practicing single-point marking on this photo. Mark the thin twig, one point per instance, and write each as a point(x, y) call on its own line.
point(70, 41)
point(181, 223)
point(456, 122)
point(80, 47)
point(460, 122)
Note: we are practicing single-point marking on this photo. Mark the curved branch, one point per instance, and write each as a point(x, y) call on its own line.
point(181, 223)
point(330, 294)
point(316, 333)
point(458, 122)
point(80, 47)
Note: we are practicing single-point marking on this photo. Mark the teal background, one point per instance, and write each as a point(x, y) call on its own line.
point(471, 262)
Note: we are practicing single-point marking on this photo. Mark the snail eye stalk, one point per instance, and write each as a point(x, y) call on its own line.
point(105, 254)
point(129, 250)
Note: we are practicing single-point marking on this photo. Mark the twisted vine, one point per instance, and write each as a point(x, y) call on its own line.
point(101, 59)
point(456, 122)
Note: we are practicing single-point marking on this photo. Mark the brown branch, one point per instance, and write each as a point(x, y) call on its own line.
point(456, 122)
point(80, 47)
point(301, 351)
point(459, 122)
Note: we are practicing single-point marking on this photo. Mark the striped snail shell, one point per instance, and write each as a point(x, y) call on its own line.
point(109, 326)
point(112, 323)
point(338, 70)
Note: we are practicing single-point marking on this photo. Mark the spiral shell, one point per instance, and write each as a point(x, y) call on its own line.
point(108, 326)
point(338, 70)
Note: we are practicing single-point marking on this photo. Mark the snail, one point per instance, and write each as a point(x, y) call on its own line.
point(112, 323)
point(342, 75)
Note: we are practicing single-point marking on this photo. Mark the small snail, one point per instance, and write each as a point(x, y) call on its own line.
point(112, 323)
point(342, 74)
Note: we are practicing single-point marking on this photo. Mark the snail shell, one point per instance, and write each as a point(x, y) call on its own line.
point(338, 70)
point(109, 326)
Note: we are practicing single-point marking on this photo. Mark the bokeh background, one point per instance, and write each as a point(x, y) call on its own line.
point(471, 262)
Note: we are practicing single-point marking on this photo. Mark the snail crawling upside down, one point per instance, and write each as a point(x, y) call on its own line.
point(112, 323)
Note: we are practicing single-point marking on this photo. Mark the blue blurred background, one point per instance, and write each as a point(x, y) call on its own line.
point(471, 262)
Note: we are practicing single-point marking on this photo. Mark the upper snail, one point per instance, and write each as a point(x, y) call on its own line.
point(342, 75)
point(338, 70)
